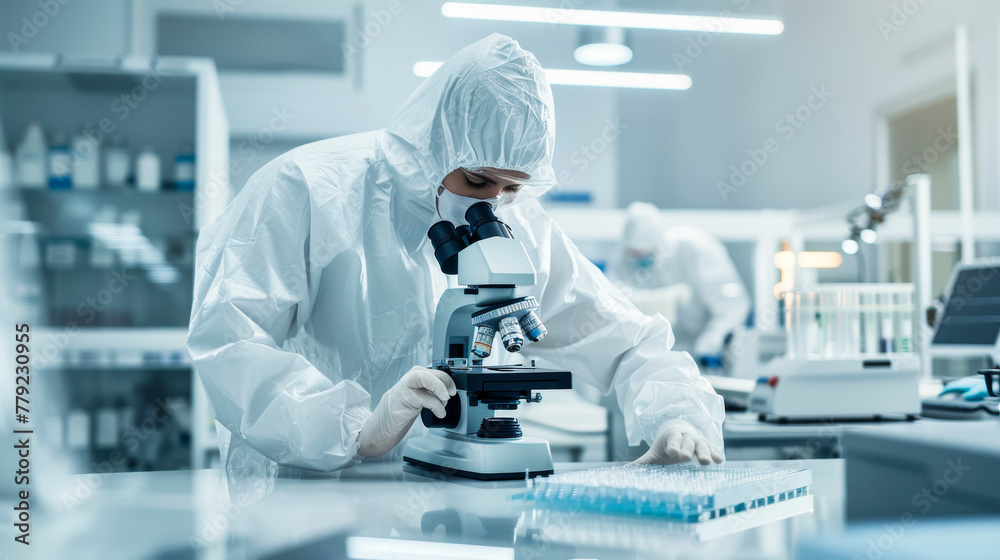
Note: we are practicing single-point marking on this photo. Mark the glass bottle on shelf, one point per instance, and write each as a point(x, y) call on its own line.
point(85, 156)
point(117, 164)
point(184, 169)
point(147, 171)
point(31, 153)
point(60, 168)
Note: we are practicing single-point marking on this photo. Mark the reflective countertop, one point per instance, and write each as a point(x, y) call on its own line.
point(383, 510)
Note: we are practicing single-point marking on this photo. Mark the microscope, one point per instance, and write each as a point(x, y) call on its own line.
point(470, 440)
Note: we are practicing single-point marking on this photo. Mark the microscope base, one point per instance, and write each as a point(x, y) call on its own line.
point(480, 458)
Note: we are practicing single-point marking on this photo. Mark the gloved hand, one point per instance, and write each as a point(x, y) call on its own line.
point(677, 442)
point(420, 388)
point(971, 388)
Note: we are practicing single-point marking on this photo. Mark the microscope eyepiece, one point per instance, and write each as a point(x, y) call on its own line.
point(484, 223)
point(447, 243)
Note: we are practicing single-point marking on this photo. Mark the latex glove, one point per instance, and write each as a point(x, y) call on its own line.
point(677, 442)
point(420, 388)
point(971, 388)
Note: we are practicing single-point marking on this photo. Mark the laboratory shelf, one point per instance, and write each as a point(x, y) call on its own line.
point(94, 262)
point(110, 352)
point(113, 338)
point(73, 213)
point(112, 348)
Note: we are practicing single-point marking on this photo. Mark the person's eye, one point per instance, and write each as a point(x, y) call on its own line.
point(473, 182)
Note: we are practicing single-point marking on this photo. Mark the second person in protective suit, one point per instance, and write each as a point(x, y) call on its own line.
point(315, 290)
point(685, 271)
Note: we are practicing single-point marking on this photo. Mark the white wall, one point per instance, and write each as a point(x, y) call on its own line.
point(93, 28)
point(683, 145)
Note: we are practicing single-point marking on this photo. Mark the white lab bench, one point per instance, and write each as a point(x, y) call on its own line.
point(744, 434)
point(380, 510)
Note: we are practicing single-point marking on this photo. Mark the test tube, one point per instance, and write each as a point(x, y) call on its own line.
point(852, 324)
point(904, 320)
point(813, 324)
point(793, 334)
point(869, 323)
point(886, 320)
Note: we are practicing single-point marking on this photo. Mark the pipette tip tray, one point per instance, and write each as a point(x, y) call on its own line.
point(686, 493)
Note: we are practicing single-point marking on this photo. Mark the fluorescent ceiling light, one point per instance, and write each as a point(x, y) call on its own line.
point(602, 54)
point(603, 46)
point(635, 20)
point(592, 78)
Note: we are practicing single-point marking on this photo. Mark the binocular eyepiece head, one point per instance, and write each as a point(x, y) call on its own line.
point(448, 241)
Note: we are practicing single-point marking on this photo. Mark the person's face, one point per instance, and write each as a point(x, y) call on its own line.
point(483, 184)
point(639, 254)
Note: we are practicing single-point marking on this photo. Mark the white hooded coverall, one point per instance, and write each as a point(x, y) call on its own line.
point(683, 255)
point(315, 290)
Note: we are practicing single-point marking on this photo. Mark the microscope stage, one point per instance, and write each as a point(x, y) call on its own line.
point(479, 379)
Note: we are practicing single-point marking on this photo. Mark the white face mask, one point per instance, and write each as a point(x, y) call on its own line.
point(452, 207)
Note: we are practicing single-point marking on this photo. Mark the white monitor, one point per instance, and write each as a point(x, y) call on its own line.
point(969, 322)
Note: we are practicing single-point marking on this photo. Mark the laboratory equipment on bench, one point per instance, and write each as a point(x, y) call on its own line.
point(968, 326)
point(990, 380)
point(470, 440)
point(851, 356)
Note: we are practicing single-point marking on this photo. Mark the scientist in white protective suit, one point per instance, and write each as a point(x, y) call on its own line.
point(315, 290)
point(686, 272)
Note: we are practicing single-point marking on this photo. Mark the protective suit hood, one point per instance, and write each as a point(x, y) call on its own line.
point(643, 228)
point(489, 105)
point(684, 256)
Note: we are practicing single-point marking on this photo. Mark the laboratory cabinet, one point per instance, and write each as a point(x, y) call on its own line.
point(117, 163)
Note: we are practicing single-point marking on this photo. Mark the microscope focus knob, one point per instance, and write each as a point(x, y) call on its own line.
point(499, 428)
point(452, 414)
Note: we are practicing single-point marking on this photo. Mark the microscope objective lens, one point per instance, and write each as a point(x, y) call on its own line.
point(510, 333)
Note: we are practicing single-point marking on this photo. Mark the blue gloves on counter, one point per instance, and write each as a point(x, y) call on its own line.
point(971, 388)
